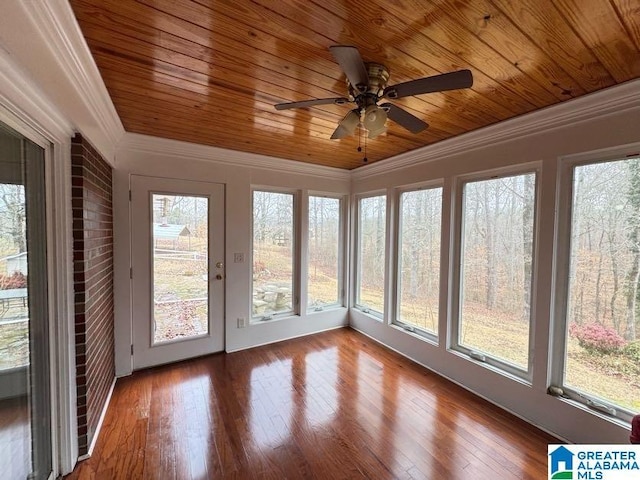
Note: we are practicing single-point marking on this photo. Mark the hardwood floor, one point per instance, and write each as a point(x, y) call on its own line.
point(334, 405)
point(15, 438)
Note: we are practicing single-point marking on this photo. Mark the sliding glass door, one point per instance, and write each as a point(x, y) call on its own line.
point(25, 404)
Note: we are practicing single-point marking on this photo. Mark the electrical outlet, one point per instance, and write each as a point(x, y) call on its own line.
point(238, 257)
point(241, 323)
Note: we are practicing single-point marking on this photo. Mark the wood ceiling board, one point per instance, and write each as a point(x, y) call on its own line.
point(543, 23)
point(598, 25)
point(440, 117)
point(403, 22)
point(185, 97)
point(629, 13)
point(210, 72)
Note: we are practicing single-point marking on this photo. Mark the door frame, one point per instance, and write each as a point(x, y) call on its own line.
point(144, 352)
point(54, 137)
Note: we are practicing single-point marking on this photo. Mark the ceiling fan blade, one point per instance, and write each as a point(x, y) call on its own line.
point(436, 83)
point(312, 103)
point(352, 65)
point(404, 118)
point(347, 125)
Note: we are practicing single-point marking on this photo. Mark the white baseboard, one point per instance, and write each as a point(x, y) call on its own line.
point(99, 426)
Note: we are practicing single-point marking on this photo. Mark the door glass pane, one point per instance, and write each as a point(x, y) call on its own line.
point(180, 267)
point(497, 248)
point(273, 254)
point(419, 262)
point(602, 354)
point(371, 254)
point(324, 252)
point(25, 416)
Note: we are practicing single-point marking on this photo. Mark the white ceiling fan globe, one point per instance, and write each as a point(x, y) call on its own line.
point(374, 120)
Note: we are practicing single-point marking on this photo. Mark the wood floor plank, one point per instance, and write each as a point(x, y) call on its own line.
point(332, 405)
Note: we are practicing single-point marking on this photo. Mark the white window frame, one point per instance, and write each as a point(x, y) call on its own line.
point(397, 205)
point(379, 316)
point(342, 250)
point(564, 198)
point(297, 254)
point(456, 272)
point(55, 141)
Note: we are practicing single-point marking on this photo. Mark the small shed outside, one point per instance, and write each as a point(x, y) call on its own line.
point(168, 232)
point(17, 263)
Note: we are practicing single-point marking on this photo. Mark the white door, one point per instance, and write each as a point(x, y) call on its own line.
point(177, 250)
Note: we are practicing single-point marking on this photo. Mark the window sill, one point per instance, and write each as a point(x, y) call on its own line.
point(523, 380)
point(417, 333)
point(620, 422)
point(369, 314)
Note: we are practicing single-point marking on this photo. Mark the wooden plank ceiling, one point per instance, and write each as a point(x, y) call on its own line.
point(209, 72)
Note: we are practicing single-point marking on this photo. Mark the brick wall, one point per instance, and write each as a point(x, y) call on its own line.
point(93, 284)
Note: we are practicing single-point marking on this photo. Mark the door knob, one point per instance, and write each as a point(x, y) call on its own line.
point(218, 277)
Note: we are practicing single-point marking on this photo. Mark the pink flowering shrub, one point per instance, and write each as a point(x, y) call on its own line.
point(596, 338)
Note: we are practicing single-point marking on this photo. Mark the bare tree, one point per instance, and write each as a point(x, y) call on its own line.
point(12, 213)
point(633, 222)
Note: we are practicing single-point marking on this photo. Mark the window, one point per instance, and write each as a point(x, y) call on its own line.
point(273, 254)
point(496, 251)
point(600, 351)
point(25, 371)
point(370, 267)
point(419, 259)
point(324, 285)
point(180, 273)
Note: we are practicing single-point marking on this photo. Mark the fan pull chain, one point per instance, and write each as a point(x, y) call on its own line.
point(361, 132)
point(365, 159)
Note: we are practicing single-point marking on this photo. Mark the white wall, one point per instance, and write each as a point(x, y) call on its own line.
point(142, 155)
point(601, 121)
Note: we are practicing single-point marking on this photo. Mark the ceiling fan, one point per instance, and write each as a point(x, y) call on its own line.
point(367, 86)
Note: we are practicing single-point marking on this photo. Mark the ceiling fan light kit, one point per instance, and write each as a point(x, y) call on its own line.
point(367, 85)
point(374, 119)
point(347, 125)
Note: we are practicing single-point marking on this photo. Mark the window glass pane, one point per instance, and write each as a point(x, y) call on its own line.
point(324, 252)
point(25, 377)
point(419, 258)
point(497, 246)
point(603, 314)
point(273, 241)
point(180, 267)
point(14, 305)
point(371, 258)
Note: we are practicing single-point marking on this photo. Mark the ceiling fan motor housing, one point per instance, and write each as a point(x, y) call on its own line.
point(378, 78)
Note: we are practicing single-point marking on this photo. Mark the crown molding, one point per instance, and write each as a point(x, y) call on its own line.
point(45, 38)
point(617, 99)
point(58, 25)
point(24, 100)
point(135, 142)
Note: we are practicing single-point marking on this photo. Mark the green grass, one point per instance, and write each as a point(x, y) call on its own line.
point(14, 344)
